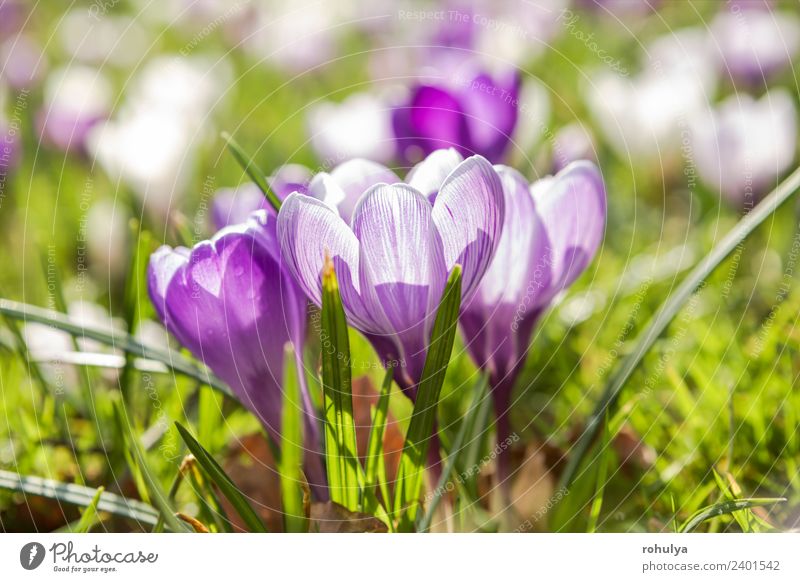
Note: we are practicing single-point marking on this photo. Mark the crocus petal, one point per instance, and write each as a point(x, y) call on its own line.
point(402, 270)
point(433, 119)
point(347, 182)
point(468, 214)
point(490, 106)
point(234, 205)
point(163, 265)
point(429, 175)
point(573, 208)
point(508, 294)
point(308, 231)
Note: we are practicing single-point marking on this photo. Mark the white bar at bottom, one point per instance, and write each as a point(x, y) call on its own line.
point(411, 557)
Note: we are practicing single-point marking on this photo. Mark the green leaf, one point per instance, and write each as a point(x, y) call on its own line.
point(345, 475)
point(478, 402)
point(724, 508)
point(117, 339)
point(600, 487)
point(218, 476)
point(255, 173)
point(79, 495)
point(665, 314)
point(375, 441)
point(412, 461)
point(157, 493)
point(291, 461)
point(89, 517)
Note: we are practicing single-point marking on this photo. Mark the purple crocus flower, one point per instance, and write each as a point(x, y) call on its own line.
point(755, 42)
point(393, 259)
point(234, 205)
point(475, 114)
point(230, 301)
point(552, 230)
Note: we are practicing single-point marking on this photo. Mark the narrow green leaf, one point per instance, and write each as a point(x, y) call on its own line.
point(412, 461)
point(375, 442)
point(89, 517)
point(291, 462)
point(218, 476)
point(119, 340)
point(600, 486)
point(725, 508)
point(72, 494)
point(249, 166)
point(668, 310)
point(135, 287)
point(345, 473)
point(157, 493)
point(467, 425)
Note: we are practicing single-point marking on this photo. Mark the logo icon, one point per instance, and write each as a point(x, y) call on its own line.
point(31, 555)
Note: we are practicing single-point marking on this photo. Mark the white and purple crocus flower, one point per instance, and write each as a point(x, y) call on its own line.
point(395, 253)
point(551, 232)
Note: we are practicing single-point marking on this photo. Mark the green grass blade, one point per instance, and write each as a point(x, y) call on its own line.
point(249, 166)
point(725, 508)
point(116, 339)
point(412, 461)
point(291, 462)
point(346, 478)
point(218, 476)
point(72, 494)
point(157, 493)
point(89, 517)
point(668, 310)
point(600, 487)
point(377, 432)
point(466, 427)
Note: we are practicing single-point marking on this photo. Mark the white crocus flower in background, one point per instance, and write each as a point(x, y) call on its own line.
point(76, 98)
point(358, 127)
point(742, 147)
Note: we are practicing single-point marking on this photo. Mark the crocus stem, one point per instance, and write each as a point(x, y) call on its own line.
point(501, 397)
point(434, 454)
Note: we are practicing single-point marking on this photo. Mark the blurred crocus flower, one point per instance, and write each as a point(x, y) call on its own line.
point(113, 39)
point(755, 42)
point(393, 259)
point(294, 37)
point(151, 143)
point(151, 151)
point(744, 145)
point(643, 117)
point(233, 305)
point(234, 205)
point(571, 143)
point(75, 100)
point(474, 113)
point(22, 62)
point(358, 127)
point(551, 232)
